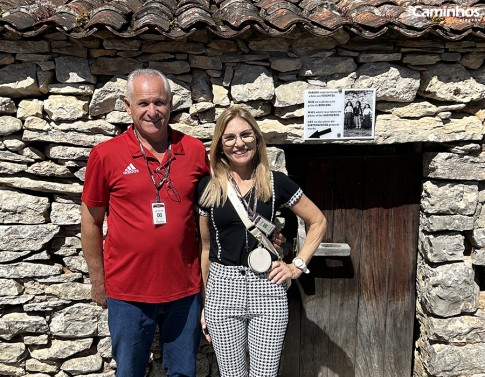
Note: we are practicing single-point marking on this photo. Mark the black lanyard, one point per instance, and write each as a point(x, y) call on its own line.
point(167, 170)
point(251, 211)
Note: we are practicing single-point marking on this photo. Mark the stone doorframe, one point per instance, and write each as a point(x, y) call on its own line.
point(450, 273)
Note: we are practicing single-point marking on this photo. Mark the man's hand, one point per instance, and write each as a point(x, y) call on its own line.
point(92, 219)
point(205, 330)
point(278, 240)
point(98, 294)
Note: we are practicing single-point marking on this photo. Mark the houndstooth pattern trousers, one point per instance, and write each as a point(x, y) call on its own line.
point(245, 310)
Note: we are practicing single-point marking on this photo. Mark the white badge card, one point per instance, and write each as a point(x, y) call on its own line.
point(264, 225)
point(159, 214)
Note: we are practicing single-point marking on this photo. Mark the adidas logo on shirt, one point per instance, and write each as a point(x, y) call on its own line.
point(130, 169)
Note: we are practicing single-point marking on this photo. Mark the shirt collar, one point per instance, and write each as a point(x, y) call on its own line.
point(175, 139)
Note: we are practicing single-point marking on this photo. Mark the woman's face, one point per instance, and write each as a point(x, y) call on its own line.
point(239, 143)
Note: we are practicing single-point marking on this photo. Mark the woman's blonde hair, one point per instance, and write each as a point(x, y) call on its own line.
point(215, 192)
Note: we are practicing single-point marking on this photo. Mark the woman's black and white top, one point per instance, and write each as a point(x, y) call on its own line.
point(230, 242)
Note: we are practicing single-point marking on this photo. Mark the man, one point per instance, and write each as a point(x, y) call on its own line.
point(147, 272)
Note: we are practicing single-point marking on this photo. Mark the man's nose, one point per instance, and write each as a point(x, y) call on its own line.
point(152, 109)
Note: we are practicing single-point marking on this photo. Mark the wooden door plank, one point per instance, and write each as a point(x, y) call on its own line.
point(321, 189)
point(342, 281)
point(333, 307)
point(290, 357)
point(314, 320)
point(402, 270)
point(373, 272)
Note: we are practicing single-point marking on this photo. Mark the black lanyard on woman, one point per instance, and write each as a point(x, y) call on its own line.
point(167, 170)
point(251, 211)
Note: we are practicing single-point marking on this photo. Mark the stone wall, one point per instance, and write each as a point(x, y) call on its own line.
point(61, 96)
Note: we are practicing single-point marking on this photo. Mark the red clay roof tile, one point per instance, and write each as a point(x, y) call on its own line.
point(232, 18)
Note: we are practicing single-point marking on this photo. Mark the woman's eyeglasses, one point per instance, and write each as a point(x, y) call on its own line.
point(229, 140)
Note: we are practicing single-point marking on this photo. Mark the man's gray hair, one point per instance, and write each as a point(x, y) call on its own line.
point(147, 72)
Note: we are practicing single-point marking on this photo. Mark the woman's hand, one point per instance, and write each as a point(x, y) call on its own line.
point(280, 272)
point(205, 330)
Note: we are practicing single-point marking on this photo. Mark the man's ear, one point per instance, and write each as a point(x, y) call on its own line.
point(127, 105)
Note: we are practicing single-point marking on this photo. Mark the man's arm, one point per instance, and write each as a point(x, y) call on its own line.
point(92, 244)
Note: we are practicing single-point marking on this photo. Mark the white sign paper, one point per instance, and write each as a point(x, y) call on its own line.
point(339, 114)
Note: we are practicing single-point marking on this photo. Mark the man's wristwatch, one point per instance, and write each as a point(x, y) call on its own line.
point(299, 263)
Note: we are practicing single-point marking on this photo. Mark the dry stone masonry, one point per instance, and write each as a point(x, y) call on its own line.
point(61, 96)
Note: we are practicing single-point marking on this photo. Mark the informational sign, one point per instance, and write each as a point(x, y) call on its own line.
point(339, 114)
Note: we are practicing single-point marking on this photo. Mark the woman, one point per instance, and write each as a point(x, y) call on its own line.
point(348, 116)
point(244, 308)
point(367, 117)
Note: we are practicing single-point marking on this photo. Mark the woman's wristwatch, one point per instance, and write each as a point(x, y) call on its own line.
point(299, 263)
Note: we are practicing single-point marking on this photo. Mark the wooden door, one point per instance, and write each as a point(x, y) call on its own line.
point(354, 316)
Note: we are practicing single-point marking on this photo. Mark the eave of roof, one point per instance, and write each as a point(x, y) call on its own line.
point(451, 20)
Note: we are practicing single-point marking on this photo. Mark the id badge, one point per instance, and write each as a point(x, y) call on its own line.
point(264, 225)
point(159, 214)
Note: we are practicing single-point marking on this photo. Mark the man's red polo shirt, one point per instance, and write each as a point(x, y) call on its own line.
point(144, 262)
